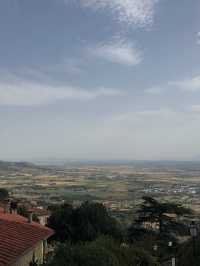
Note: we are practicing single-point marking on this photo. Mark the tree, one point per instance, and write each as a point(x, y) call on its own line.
point(84, 223)
point(93, 219)
point(62, 222)
point(23, 211)
point(102, 252)
point(158, 223)
point(189, 253)
point(3, 194)
point(166, 214)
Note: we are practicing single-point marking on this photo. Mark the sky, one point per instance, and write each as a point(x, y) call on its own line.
point(100, 79)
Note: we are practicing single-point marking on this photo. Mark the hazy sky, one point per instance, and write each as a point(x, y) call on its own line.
point(100, 79)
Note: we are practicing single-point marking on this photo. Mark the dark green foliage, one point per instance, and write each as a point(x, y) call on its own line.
point(189, 253)
point(88, 228)
point(102, 252)
point(3, 194)
point(165, 214)
point(61, 221)
point(139, 234)
point(146, 240)
point(23, 211)
point(84, 223)
point(92, 219)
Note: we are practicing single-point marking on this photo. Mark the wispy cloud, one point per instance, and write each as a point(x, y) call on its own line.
point(27, 93)
point(132, 12)
point(189, 84)
point(118, 51)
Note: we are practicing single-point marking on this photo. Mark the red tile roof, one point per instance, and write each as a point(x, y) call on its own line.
point(17, 236)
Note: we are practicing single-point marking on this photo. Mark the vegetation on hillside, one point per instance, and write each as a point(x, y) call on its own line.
point(104, 251)
point(90, 236)
point(84, 223)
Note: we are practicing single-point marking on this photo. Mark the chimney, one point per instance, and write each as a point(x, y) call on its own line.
point(30, 217)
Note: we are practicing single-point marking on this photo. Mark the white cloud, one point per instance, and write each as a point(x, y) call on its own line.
point(133, 12)
point(30, 93)
point(185, 85)
point(190, 84)
point(119, 51)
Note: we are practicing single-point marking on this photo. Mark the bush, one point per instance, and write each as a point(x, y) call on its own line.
point(102, 252)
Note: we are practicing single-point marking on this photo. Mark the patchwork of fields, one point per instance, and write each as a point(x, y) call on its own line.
point(119, 186)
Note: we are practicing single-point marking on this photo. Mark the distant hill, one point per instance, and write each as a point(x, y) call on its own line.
point(11, 165)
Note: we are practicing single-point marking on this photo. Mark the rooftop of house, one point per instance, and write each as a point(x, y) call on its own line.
point(39, 211)
point(18, 236)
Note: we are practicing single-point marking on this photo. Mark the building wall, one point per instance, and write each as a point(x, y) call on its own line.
point(37, 252)
point(43, 220)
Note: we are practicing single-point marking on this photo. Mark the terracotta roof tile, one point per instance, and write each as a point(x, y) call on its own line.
point(18, 236)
